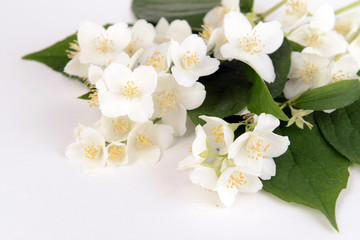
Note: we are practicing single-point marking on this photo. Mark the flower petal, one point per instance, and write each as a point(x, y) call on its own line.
point(277, 145)
point(75, 68)
point(183, 77)
point(162, 135)
point(263, 65)
point(116, 76)
point(206, 67)
point(268, 169)
point(236, 25)
point(145, 78)
point(323, 19)
point(270, 35)
point(176, 118)
point(266, 123)
point(113, 105)
point(178, 30)
point(194, 43)
point(205, 177)
point(191, 97)
point(141, 108)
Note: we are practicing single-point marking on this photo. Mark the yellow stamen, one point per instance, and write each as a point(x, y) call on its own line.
point(143, 142)
point(251, 43)
point(120, 125)
point(91, 152)
point(236, 180)
point(166, 101)
point(130, 90)
point(190, 59)
point(218, 132)
point(115, 153)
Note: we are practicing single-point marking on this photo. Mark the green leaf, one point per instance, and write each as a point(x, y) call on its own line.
point(86, 96)
point(310, 173)
point(246, 5)
point(342, 130)
point(259, 99)
point(332, 96)
point(226, 92)
point(281, 60)
point(296, 47)
point(192, 11)
point(55, 56)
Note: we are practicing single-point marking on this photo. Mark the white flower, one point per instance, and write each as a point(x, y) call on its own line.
point(146, 141)
point(319, 33)
point(252, 46)
point(199, 150)
point(219, 134)
point(346, 68)
point(90, 150)
point(99, 46)
point(95, 73)
point(142, 36)
point(77, 131)
point(231, 181)
point(172, 102)
point(215, 17)
point(347, 23)
point(124, 92)
point(115, 129)
point(191, 61)
point(308, 70)
point(75, 68)
point(214, 39)
point(211, 141)
point(117, 154)
point(234, 180)
point(178, 30)
point(157, 56)
point(293, 13)
point(355, 46)
point(254, 151)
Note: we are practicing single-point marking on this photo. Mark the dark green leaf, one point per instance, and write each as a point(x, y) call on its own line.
point(281, 60)
point(335, 95)
point(246, 5)
point(55, 56)
point(226, 92)
point(310, 173)
point(342, 130)
point(358, 73)
point(86, 96)
point(296, 47)
point(192, 11)
point(259, 99)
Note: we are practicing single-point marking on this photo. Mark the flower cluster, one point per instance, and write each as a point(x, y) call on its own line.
point(230, 166)
point(144, 79)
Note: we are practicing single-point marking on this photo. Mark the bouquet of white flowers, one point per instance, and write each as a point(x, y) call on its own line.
point(242, 77)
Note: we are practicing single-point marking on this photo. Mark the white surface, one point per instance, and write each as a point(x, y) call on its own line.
point(45, 196)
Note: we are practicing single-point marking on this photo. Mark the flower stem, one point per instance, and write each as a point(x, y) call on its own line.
point(347, 7)
point(271, 10)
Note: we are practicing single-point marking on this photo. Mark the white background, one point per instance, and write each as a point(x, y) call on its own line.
point(45, 196)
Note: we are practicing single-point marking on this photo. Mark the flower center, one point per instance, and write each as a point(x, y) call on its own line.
point(133, 46)
point(256, 150)
point(103, 45)
point(130, 90)
point(73, 50)
point(307, 73)
point(294, 7)
point(340, 75)
point(251, 43)
point(343, 28)
point(156, 61)
point(206, 33)
point(120, 125)
point(143, 141)
point(94, 98)
point(313, 40)
point(218, 132)
point(91, 152)
point(166, 100)
point(236, 180)
point(190, 59)
point(115, 153)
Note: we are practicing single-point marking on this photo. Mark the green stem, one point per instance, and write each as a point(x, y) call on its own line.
point(271, 10)
point(347, 7)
